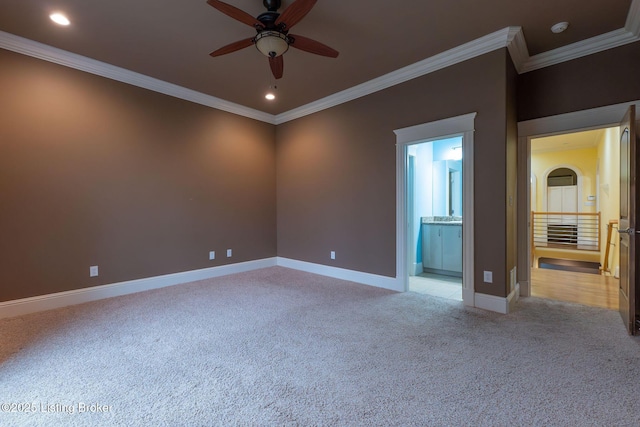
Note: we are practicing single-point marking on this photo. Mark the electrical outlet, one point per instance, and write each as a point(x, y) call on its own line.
point(488, 277)
point(228, 253)
point(212, 255)
point(93, 271)
point(333, 254)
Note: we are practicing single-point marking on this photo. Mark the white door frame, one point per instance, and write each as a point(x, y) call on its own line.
point(441, 129)
point(595, 118)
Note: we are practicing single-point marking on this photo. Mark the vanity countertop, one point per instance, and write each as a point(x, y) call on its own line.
point(441, 220)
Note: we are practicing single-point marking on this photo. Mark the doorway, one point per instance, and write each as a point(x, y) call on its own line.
point(434, 209)
point(574, 208)
point(597, 118)
point(408, 223)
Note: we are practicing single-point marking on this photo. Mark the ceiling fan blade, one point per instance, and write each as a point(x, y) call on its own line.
point(312, 46)
point(241, 44)
point(235, 13)
point(295, 12)
point(277, 66)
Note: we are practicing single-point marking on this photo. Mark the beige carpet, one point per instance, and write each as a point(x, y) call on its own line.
point(285, 348)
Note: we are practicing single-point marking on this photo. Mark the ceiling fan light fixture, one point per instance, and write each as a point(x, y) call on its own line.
point(272, 43)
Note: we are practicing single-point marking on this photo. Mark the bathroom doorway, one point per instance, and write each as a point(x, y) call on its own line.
point(408, 221)
point(434, 209)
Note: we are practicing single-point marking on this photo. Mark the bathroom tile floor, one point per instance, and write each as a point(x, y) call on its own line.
point(437, 285)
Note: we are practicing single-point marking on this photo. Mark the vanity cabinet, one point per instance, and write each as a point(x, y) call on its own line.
point(442, 248)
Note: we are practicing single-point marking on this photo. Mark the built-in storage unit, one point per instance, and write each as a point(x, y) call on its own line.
point(442, 247)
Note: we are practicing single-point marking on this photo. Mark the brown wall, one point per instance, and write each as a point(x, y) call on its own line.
point(606, 78)
point(96, 172)
point(336, 170)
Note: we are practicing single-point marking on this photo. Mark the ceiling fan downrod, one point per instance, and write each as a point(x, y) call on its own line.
point(272, 5)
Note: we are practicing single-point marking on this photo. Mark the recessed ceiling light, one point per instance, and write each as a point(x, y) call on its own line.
point(271, 95)
point(59, 19)
point(559, 27)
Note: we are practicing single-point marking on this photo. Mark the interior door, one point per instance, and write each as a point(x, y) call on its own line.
point(628, 220)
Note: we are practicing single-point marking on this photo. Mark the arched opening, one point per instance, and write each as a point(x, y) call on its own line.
point(562, 177)
point(559, 176)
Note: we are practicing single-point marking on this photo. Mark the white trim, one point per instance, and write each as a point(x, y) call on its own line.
point(580, 49)
point(594, 118)
point(375, 280)
point(633, 18)
point(417, 268)
point(489, 43)
point(438, 129)
point(492, 303)
point(513, 298)
point(61, 57)
point(468, 297)
point(523, 214)
point(461, 125)
point(402, 227)
point(79, 296)
point(518, 50)
point(486, 302)
point(468, 219)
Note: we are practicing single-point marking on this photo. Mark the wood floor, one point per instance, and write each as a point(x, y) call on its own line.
point(582, 288)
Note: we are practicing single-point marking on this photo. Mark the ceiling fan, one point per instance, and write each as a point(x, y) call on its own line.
point(273, 38)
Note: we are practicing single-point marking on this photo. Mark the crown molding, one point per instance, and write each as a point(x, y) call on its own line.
point(509, 37)
point(518, 49)
point(633, 18)
point(61, 57)
point(580, 49)
point(472, 49)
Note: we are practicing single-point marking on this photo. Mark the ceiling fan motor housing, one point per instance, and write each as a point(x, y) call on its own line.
point(268, 19)
point(272, 5)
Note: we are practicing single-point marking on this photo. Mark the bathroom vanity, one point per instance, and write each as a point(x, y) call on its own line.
point(442, 245)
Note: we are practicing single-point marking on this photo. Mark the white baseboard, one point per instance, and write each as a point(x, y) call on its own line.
point(417, 268)
point(513, 297)
point(378, 281)
point(492, 303)
point(79, 296)
point(468, 297)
